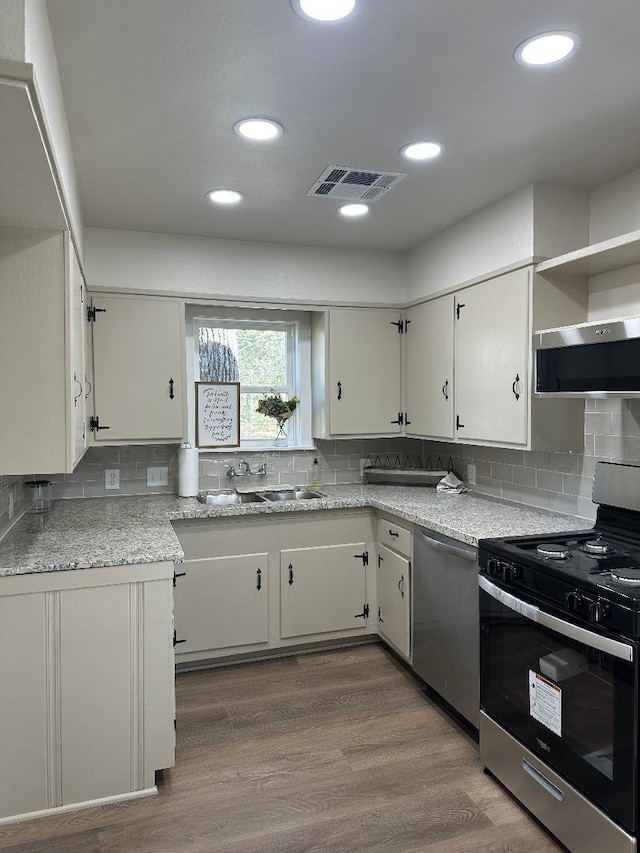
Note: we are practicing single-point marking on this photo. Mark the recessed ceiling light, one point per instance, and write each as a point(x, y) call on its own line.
point(259, 129)
point(422, 150)
point(324, 10)
point(354, 209)
point(547, 48)
point(225, 196)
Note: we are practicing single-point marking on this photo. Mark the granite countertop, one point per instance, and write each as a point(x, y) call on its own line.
point(90, 533)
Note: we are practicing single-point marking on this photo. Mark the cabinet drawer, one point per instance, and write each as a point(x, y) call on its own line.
point(394, 536)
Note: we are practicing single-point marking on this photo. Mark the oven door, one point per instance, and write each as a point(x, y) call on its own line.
point(566, 692)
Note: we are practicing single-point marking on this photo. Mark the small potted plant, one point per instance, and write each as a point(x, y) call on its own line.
point(273, 406)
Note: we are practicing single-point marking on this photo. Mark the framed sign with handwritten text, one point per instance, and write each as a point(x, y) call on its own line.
point(217, 414)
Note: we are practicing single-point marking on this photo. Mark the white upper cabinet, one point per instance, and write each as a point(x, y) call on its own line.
point(41, 347)
point(138, 369)
point(469, 365)
point(429, 369)
point(356, 372)
point(492, 363)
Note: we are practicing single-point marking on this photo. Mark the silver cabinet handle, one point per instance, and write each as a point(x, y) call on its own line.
point(549, 787)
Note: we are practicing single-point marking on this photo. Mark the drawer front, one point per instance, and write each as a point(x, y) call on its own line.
point(394, 536)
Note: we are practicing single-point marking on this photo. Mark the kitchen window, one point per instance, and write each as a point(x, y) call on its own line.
point(266, 351)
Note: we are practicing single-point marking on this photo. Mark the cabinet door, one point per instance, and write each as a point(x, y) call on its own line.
point(322, 589)
point(222, 602)
point(24, 783)
point(138, 368)
point(364, 372)
point(492, 360)
point(77, 437)
point(394, 598)
point(34, 385)
point(429, 369)
point(95, 724)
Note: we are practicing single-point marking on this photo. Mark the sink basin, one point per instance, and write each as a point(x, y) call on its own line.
point(229, 498)
point(292, 495)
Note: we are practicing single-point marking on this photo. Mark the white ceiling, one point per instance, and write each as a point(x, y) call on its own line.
point(152, 89)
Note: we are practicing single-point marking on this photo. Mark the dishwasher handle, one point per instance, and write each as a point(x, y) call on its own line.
point(465, 552)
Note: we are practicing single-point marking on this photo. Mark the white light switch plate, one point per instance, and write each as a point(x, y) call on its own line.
point(158, 476)
point(471, 475)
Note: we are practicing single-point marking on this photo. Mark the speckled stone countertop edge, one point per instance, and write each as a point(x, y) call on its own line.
point(95, 533)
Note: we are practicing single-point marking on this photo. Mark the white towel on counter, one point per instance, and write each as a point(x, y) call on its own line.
point(451, 484)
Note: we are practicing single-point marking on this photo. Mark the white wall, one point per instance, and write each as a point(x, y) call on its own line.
point(201, 266)
point(12, 30)
point(615, 208)
point(496, 237)
point(561, 220)
point(38, 50)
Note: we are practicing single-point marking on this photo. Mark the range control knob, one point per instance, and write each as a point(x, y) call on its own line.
point(573, 600)
point(503, 570)
point(598, 610)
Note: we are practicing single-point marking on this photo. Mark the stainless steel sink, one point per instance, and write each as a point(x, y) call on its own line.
point(292, 495)
point(229, 498)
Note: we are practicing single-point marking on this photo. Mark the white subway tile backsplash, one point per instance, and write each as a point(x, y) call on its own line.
point(612, 446)
point(579, 486)
point(536, 497)
point(524, 476)
point(563, 503)
point(567, 463)
point(512, 492)
point(537, 459)
point(500, 471)
point(598, 423)
point(549, 480)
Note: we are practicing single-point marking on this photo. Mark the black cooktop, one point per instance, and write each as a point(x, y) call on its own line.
point(572, 571)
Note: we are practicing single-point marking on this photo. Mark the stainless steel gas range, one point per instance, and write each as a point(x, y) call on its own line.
point(559, 675)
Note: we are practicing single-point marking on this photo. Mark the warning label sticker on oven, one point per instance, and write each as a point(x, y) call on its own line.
point(545, 702)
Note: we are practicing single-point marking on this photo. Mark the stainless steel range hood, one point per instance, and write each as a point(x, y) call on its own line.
point(600, 359)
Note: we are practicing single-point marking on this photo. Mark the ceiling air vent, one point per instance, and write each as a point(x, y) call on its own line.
point(354, 184)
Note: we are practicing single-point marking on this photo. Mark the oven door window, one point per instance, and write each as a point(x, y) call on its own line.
point(570, 703)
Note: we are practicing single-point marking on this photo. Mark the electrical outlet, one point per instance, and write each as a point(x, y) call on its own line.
point(158, 476)
point(112, 478)
point(471, 475)
point(363, 462)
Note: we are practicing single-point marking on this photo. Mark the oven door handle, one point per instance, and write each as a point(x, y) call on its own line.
point(624, 651)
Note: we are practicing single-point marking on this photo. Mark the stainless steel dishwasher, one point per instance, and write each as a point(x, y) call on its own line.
point(446, 619)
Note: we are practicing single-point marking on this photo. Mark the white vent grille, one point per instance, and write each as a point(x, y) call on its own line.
point(354, 184)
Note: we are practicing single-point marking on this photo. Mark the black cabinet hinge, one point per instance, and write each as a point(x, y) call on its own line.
point(364, 557)
point(94, 425)
point(92, 311)
point(364, 614)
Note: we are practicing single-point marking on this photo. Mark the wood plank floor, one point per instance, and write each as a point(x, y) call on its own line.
point(332, 751)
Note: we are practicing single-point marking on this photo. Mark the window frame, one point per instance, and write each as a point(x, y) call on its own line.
point(298, 327)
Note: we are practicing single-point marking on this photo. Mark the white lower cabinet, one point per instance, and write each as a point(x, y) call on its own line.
point(316, 580)
point(394, 599)
point(222, 603)
point(87, 701)
point(322, 589)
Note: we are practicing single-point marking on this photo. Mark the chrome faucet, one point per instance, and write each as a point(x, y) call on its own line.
point(244, 470)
